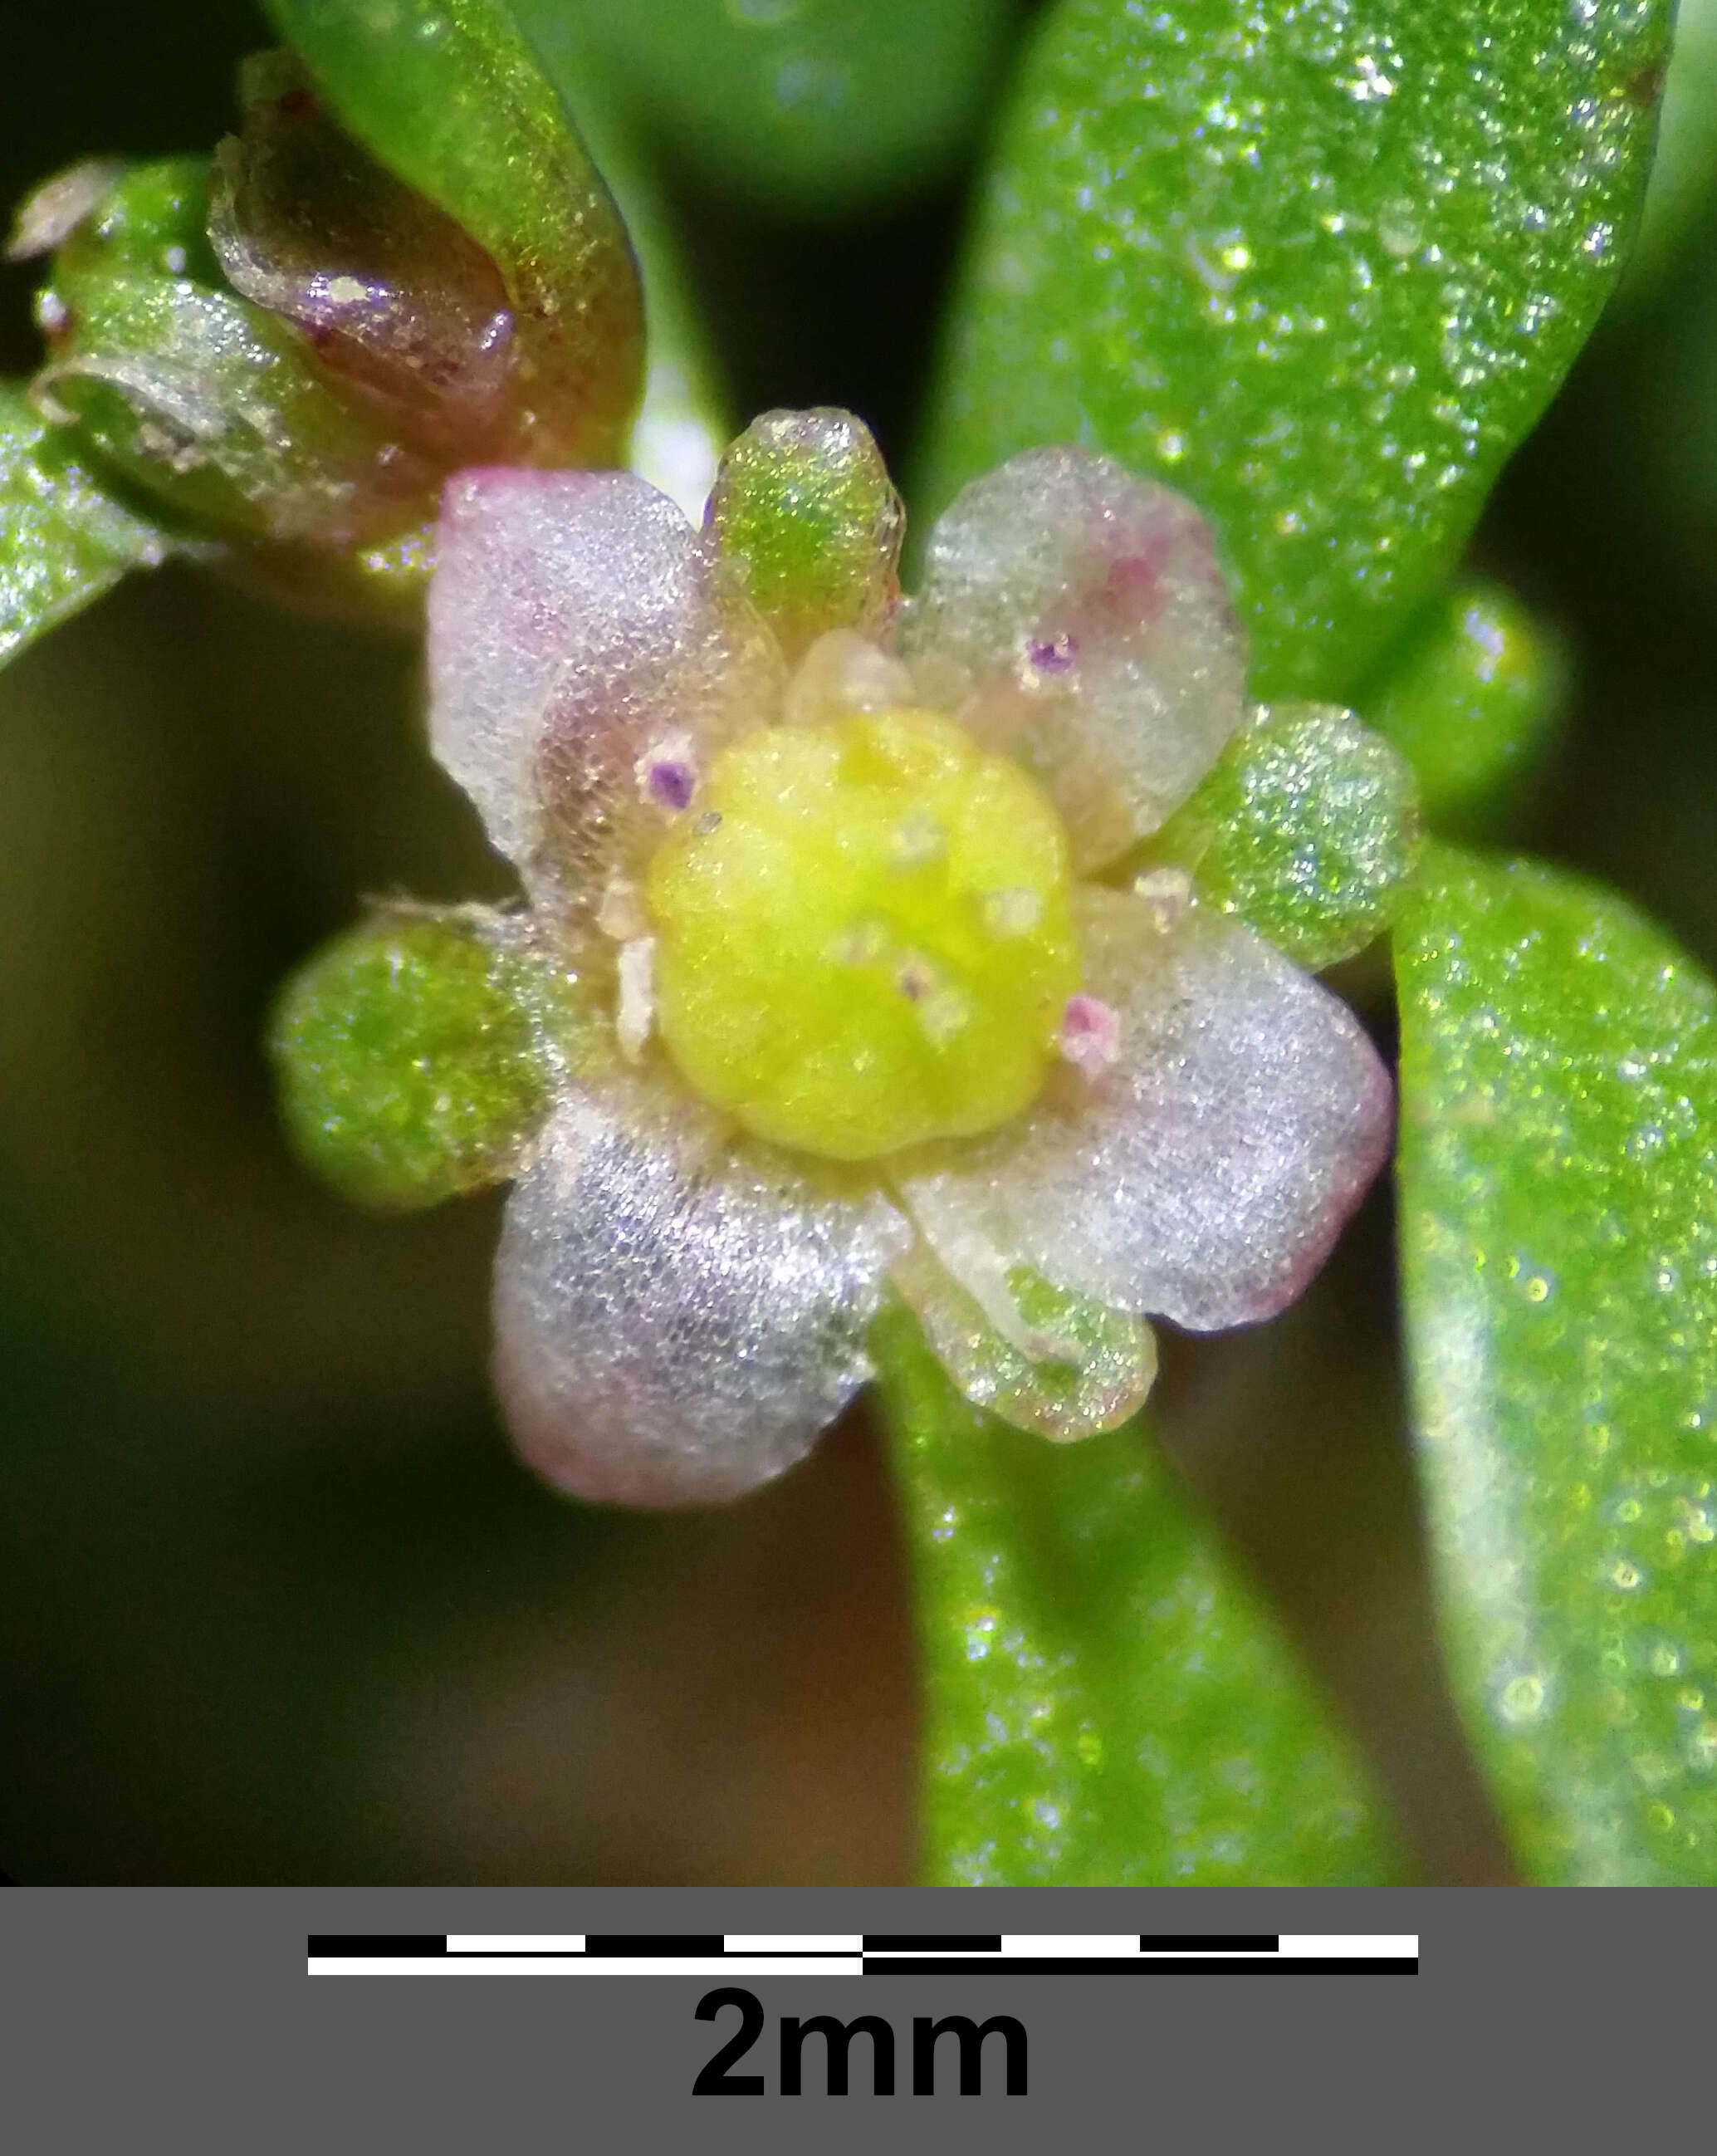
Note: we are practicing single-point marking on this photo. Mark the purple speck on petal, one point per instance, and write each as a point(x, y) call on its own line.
point(1052, 654)
point(671, 782)
point(1091, 1035)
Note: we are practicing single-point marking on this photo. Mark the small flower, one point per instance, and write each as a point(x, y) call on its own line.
point(880, 983)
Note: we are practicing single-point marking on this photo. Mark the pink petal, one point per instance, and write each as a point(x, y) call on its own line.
point(676, 1320)
point(1077, 615)
point(1206, 1173)
point(577, 626)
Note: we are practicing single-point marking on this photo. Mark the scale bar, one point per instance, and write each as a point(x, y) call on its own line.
point(882, 1953)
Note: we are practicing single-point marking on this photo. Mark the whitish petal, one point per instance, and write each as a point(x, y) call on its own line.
point(1078, 614)
point(1206, 1173)
point(578, 627)
point(1082, 1369)
point(676, 1320)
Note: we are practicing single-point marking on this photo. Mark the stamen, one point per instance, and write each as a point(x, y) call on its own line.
point(843, 672)
point(1051, 656)
point(622, 914)
point(1091, 1035)
point(636, 1015)
point(1167, 891)
point(668, 773)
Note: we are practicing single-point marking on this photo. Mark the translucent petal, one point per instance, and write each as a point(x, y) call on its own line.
point(1078, 614)
point(1089, 1374)
point(577, 625)
point(1205, 1174)
point(677, 1319)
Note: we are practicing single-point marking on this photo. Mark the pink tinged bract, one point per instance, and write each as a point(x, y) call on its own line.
point(677, 1319)
point(577, 625)
point(1076, 616)
point(1205, 1174)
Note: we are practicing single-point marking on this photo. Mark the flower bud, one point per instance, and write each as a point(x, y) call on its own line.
point(288, 354)
point(400, 306)
point(214, 409)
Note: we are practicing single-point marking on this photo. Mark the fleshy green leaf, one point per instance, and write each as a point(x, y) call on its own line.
point(449, 97)
point(1107, 1704)
point(416, 1055)
point(1559, 1223)
point(818, 102)
point(1473, 699)
point(1684, 171)
point(1319, 266)
point(64, 539)
point(1307, 828)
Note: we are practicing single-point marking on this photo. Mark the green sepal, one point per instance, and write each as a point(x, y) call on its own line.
point(1558, 1185)
point(64, 537)
point(1106, 1702)
point(1307, 828)
point(448, 96)
point(416, 1056)
point(805, 510)
point(1474, 699)
point(1319, 267)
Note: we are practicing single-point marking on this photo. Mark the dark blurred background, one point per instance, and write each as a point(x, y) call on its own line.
point(275, 1604)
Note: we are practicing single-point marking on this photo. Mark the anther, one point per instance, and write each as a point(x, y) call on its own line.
point(1091, 1035)
point(1048, 657)
point(1167, 891)
point(668, 773)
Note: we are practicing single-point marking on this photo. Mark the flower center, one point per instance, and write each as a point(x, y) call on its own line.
point(864, 935)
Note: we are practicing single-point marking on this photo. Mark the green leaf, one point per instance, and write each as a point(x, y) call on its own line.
point(815, 103)
point(1685, 172)
point(1307, 828)
point(64, 539)
point(1107, 1704)
point(449, 97)
point(1319, 266)
point(1559, 1225)
point(1473, 698)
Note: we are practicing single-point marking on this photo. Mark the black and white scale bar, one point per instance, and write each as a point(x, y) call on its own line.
point(737, 1954)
